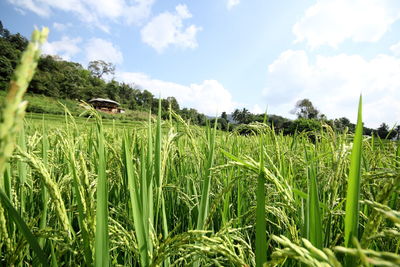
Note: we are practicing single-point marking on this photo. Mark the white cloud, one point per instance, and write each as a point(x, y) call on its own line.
point(331, 22)
point(94, 49)
point(31, 5)
point(334, 83)
point(66, 48)
point(183, 12)
point(231, 3)
point(136, 14)
point(94, 12)
point(210, 97)
point(167, 29)
point(396, 49)
point(99, 49)
point(60, 26)
point(256, 109)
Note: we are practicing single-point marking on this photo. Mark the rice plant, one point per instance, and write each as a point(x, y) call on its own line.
point(167, 193)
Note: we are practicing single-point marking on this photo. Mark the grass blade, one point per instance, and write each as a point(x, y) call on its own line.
point(314, 223)
point(205, 194)
point(81, 213)
point(101, 237)
point(140, 231)
point(22, 171)
point(261, 238)
point(13, 213)
point(353, 189)
point(157, 163)
point(44, 193)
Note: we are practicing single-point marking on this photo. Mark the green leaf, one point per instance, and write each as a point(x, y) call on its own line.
point(101, 237)
point(261, 238)
point(314, 223)
point(353, 188)
point(13, 213)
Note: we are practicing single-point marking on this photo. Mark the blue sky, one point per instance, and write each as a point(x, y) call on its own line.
point(218, 55)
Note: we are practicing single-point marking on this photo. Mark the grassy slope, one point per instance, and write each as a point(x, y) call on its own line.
point(52, 108)
point(36, 120)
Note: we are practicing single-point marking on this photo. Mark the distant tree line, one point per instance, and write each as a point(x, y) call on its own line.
point(309, 119)
point(59, 78)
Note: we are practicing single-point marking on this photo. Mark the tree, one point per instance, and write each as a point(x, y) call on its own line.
point(278, 122)
point(8, 51)
point(147, 100)
point(235, 114)
point(99, 67)
point(242, 116)
point(305, 109)
point(3, 31)
point(397, 130)
point(6, 71)
point(19, 41)
point(112, 90)
point(342, 123)
point(383, 131)
point(311, 127)
point(173, 102)
point(201, 119)
point(223, 123)
point(224, 116)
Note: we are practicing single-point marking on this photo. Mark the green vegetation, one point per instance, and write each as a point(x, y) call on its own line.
point(168, 193)
point(243, 169)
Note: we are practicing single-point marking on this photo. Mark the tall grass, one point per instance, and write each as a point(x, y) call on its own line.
point(166, 193)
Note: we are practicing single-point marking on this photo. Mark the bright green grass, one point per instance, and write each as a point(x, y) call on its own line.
point(54, 120)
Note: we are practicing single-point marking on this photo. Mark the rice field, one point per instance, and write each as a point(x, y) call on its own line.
point(166, 193)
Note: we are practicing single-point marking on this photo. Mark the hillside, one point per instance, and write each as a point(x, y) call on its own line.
point(40, 104)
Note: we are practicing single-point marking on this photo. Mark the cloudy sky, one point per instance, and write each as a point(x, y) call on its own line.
point(218, 55)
